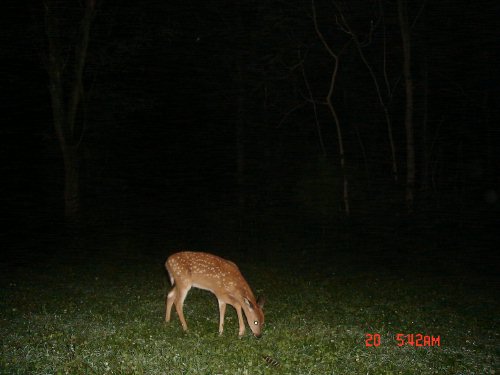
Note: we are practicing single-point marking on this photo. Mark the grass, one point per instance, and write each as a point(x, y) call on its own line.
point(106, 317)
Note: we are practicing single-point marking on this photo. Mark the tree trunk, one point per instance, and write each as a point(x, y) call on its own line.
point(425, 175)
point(240, 142)
point(410, 142)
point(66, 93)
point(329, 103)
point(71, 185)
point(383, 104)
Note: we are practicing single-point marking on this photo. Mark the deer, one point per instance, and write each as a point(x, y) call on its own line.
point(223, 278)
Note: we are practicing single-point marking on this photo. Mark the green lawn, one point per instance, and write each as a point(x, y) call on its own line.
point(106, 317)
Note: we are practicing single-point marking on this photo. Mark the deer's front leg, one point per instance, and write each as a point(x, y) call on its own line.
point(240, 320)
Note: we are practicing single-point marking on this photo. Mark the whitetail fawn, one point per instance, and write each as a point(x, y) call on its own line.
point(221, 277)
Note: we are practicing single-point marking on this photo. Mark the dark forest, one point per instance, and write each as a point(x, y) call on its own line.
point(301, 139)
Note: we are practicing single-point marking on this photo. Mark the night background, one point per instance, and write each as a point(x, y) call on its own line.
point(343, 153)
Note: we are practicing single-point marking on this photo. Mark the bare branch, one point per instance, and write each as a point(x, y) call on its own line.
point(315, 109)
point(320, 34)
point(418, 14)
point(289, 112)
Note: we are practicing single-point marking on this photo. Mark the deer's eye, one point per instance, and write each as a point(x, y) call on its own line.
point(256, 322)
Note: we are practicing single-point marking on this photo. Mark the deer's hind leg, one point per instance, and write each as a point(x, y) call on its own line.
point(178, 299)
point(169, 301)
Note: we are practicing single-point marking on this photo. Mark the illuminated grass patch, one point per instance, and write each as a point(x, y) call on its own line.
point(108, 319)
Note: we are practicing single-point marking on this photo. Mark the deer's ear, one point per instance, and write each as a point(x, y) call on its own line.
point(247, 301)
point(260, 301)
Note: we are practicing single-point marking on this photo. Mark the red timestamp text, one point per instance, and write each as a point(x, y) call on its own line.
point(403, 339)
